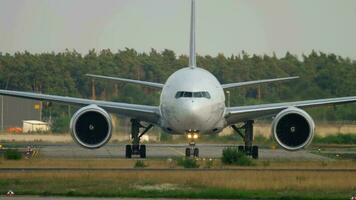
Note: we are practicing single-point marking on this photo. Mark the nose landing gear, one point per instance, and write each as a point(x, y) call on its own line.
point(136, 148)
point(191, 150)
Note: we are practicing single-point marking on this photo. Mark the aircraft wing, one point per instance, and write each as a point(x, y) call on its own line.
point(243, 113)
point(248, 83)
point(145, 113)
point(145, 83)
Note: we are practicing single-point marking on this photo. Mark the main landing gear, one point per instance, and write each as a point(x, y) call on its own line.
point(136, 148)
point(246, 132)
point(191, 150)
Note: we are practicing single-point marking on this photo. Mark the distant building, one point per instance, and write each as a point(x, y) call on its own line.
point(14, 110)
point(34, 126)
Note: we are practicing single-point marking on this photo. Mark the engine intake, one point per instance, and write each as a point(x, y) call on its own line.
point(91, 127)
point(293, 129)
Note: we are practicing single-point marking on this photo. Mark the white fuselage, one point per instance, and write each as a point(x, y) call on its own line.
point(192, 100)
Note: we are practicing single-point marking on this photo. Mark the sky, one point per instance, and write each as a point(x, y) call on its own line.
point(223, 26)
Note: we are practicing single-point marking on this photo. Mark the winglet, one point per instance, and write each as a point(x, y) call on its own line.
point(192, 55)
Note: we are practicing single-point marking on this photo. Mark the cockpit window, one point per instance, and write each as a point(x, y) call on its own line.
point(198, 94)
point(203, 94)
point(187, 94)
point(206, 95)
point(179, 95)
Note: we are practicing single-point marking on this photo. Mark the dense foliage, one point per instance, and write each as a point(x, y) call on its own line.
point(12, 154)
point(336, 139)
point(232, 156)
point(322, 75)
point(188, 162)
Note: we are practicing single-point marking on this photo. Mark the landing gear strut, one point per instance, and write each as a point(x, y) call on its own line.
point(136, 148)
point(246, 132)
point(191, 150)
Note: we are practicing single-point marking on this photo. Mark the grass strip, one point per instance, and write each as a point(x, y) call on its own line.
point(203, 193)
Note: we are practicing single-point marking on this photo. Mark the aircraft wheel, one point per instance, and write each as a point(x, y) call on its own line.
point(196, 152)
point(241, 148)
point(187, 152)
point(255, 152)
point(248, 150)
point(128, 151)
point(143, 151)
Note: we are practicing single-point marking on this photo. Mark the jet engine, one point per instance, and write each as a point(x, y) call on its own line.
point(91, 127)
point(293, 129)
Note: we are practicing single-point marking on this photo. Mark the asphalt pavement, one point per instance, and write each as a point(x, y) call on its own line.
point(164, 151)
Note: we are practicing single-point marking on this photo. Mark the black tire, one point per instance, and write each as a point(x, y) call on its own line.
point(187, 152)
point(241, 148)
point(255, 152)
point(248, 150)
point(196, 152)
point(143, 151)
point(128, 151)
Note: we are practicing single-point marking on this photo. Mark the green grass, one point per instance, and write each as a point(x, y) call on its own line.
point(188, 163)
point(185, 184)
point(140, 164)
point(78, 188)
point(231, 156)
point(208, 193)
point(336, 139)
point(12, 154)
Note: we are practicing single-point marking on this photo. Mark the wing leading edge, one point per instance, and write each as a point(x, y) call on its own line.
point(249, 83)
point(145, 83)
point(243, 113)
point(145, 113)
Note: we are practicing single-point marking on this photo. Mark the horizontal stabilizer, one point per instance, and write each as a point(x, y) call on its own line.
point(249, 83)
point(145, 83)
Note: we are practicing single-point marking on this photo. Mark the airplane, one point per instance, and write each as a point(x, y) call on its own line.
point(192, 102)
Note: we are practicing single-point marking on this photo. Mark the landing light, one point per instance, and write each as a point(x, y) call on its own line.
point(192, 135)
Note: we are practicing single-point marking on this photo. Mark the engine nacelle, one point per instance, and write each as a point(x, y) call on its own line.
point(91, 127)
point(293, 129)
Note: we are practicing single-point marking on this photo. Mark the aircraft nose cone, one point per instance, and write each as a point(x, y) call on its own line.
point(192, 115)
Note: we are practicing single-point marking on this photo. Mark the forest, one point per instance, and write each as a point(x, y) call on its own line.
point(321, 75)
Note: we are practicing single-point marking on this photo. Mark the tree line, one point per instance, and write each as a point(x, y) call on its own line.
point(321, 76)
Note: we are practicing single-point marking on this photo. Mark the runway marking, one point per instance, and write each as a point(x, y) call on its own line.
point(35, 153)
point(176, 151)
